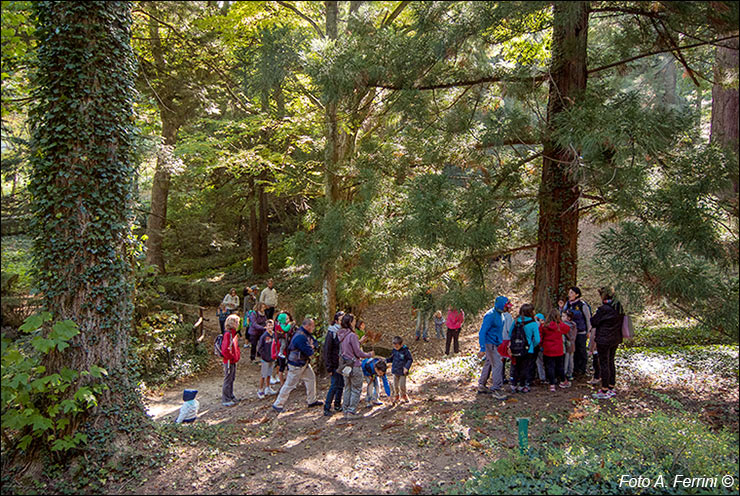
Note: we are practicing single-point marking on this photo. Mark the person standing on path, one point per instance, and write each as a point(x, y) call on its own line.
point(582, 318)
point(350, 349)
point(257, 324)
point(249, 297)
point(608, 336)
point(490, 337)
point(231, 355)
point(454, 322)
point(301, 348)
point(423, 305)
point(270, 298)
point(231, 301)
point(331, 357)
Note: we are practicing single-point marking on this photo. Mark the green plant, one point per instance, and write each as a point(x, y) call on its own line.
point(597, 451)
point(40, 405)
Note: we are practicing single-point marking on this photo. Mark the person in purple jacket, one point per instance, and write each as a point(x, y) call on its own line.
point(349, 347)
point(256, 328)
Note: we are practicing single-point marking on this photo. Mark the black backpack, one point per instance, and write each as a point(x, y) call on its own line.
point(519, 344)
point(217, 345)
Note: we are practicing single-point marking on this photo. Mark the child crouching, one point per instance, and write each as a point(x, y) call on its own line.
point(400, 361)
point(372, 368)
point(189, 409)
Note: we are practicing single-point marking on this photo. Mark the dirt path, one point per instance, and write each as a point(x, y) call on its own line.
point(445, 432)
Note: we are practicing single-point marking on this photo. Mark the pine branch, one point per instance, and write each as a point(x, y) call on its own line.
point(455, 84)
point(656, 52)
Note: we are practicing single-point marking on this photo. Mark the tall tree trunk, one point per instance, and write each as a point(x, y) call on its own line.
point(557, 252)
point(157, 220)
point(331, 159)
point(724, 127)
point(258, 228)
point(81, 184)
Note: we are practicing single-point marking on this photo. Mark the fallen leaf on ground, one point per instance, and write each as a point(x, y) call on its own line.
point(475, 444)
point(511, 400)
point(392, 424)
point(274, 450)
point(416, 488)
point(313, 433)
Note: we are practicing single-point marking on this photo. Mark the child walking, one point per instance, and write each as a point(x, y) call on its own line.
point(552, 331)
point(264, 350)
point(439, 323)
point(400, 361)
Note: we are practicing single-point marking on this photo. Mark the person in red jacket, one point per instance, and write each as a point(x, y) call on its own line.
point(552, 332)
point(230, 352)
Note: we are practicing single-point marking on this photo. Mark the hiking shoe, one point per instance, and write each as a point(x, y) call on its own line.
point(405, 399)
point(377, 403)
point(274, 380)
point(525, 389)
point(229, 403)
point(277, 409)
point(315, 403)
point(514, 389)
point(417, 338)
point(499, 395)
point(552, 388)
point(595, 381)
point(484, 391)
point(426, 340)
point(260, 394)
point(604, 395)
point(269, 391)
point(337, 408)
point(565, 384)
point(328, 413)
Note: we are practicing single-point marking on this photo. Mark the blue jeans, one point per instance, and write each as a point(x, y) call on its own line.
point(335, 391)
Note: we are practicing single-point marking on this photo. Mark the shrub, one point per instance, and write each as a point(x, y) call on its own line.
point(594, 453)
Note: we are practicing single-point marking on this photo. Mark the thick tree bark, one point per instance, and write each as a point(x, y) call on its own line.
point(81, 183)
point(157, 219)
point(557, 252)
point(724, 127)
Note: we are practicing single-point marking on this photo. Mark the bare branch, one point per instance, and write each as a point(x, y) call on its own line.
point(455, 84)
point(304, 17)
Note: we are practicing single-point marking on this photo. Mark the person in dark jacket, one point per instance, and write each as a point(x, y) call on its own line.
point(400, 361)
point(257, 323)
point(301, 348)
point(582, 317)
point(608, 335)
point(331, 358)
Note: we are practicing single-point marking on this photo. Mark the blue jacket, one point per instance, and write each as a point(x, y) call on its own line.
point(532, 330)
point(400, 359)
point(368, 370)
point(493, 324)
point(301, 347)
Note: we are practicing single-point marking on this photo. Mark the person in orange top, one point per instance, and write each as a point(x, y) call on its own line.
point(231, 353)
point(552, 332)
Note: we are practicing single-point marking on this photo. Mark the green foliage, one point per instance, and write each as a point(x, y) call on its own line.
point(16, 260)
point(41, 405)
point(162, 347)
point(591, 456)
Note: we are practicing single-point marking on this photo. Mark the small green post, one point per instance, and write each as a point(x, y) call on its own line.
point(523, 423)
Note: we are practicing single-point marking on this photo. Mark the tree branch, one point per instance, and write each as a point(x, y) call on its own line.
point(304, 17)
point(656, 52)
point(394, 14)
point(489, 79)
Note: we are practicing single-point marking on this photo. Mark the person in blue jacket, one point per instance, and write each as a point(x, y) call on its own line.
point(489, 337)
point(301, 348)
point(372, 368)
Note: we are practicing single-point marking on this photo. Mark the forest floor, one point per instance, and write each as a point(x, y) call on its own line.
point(444, 433)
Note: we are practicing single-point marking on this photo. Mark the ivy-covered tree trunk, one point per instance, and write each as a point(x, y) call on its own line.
point(81, 185)
point(557, 251)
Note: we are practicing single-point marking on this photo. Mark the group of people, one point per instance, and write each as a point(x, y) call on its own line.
point(552, 348)
point(422, 307)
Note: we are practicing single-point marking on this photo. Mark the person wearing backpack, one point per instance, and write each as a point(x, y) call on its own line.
point(264, 351)
point(331, 359)
point(301, 348)
point(582, 317)
point(257, 323)
point(525, 336)
point(231, 355)
point(490, 337)
point(350, 356)
point(607, 323)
